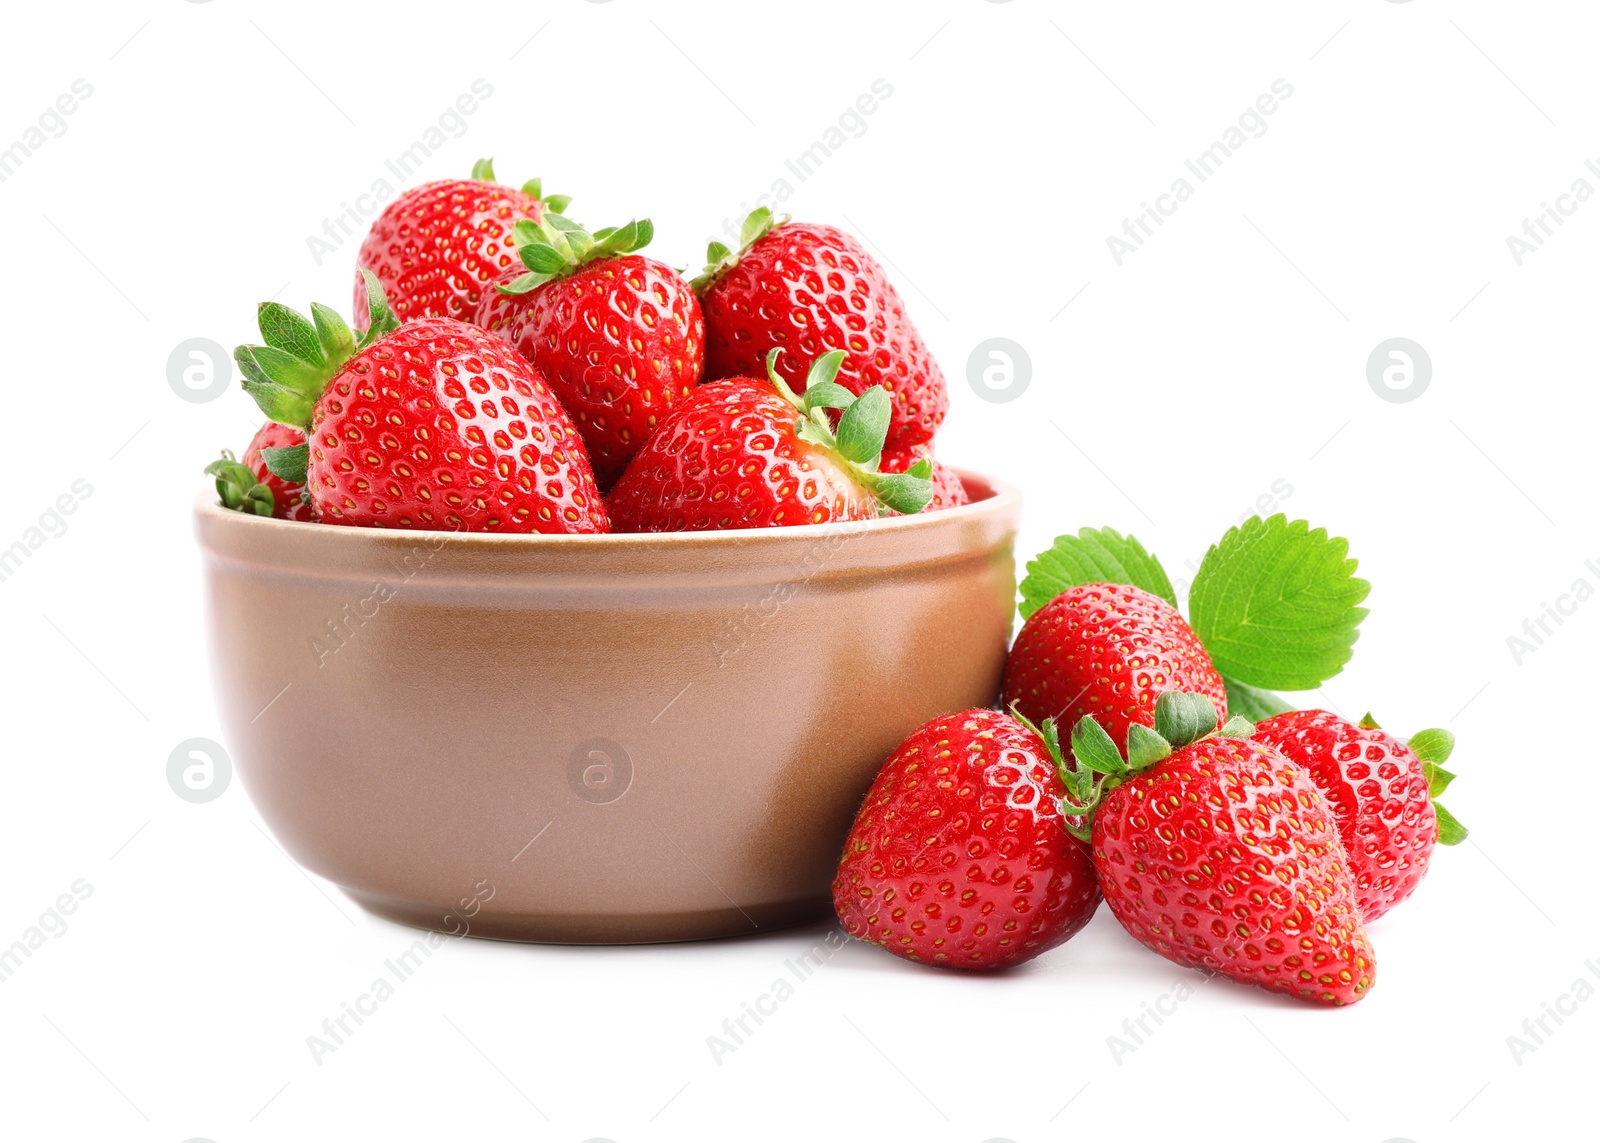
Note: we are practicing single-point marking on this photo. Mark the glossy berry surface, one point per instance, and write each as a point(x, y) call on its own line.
point(287, 501)
point(1225, 857)
point(807, 289)
point(948, 491)
point(437, 248)
point(1379, 796)
point(728, 456)
point(442, 425)
point(620, 342)
point(1108, 650)
point(959, 856)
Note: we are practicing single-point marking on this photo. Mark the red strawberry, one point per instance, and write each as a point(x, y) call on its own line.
point(433, 424)
point(806, 289)
point(959, 856)
point(1220, 854)
point(439, 247)
point(948, 491)
point(290, 504)
point(1381, 794)
point(745, 453)
point(618, 335)
point(1108, 650)
point(247, 485)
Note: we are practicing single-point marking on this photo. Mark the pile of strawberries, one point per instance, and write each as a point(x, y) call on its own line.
point(510, 371)
point(1255, 851)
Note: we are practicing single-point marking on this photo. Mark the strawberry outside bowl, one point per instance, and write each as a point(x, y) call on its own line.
point(593, 739)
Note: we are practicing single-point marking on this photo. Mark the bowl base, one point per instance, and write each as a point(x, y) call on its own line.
point(599, 929)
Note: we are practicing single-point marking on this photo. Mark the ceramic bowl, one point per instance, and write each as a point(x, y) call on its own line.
point(593, 739)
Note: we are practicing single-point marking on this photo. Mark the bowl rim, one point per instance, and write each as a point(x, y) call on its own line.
point(1002, 498)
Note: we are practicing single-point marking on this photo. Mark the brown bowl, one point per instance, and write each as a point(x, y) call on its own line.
point(593, 739)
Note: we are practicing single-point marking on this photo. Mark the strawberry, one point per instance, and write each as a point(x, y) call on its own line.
point(1381, 790)
point(748, 453)
point(1108, 650)
point(439, 247)
point(1219, 853)
point(618, 335)
point(805, 290)
point(247, 485)
point(432, 424)
point(959, 856)
point(948, 491)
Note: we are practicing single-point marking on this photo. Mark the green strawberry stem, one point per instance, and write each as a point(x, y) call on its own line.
point(720, 259)
point(483, 172)
point(858, 439)
point(556, 247)
point(238, 488)
point(1098, 767)
point(287, 374)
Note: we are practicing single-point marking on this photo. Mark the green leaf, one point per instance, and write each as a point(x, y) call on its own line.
point(1438, 778)
point(1182, 718)
point(716, 252)
point(558, 202)
point(1237, 726)
point(534, 188)
point(523, 284)
point(1276, 604)
point(828, 395)
point(899, 492)
point(237, 487)
point(542, 259)
point(755, 224)
point(1093, 748)
point(1451, 832)
point(1369, 723)
point(333, 334)
point(808, 430)
point(288, 463)
point(825, 369)
point(1433, 745)
point(864, 425)
point(285, 404)
point(381, 320)
point(1094, 555)
point(483, 171)
point(1253, 702)
point(1145, 746)
point(922, 468)
point(282, 328)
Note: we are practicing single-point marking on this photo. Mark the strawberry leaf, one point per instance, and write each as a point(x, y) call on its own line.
point(864, 425)
point(1438, 778)
point(1182, 718)
point(1451, 831)
point(1145, 746)
point(1094, 555)
point(288, 463)
point(1093, 748)
point(1276, 604)
point(483, 171)
point(1253, 702)
point(1433, 745)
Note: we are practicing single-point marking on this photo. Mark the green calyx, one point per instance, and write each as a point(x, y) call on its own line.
point(1099, 767)
point(287, 374)
point(858, 438)
point(483, 172)
point(555, 247)
point(720, 259)
point(1434, 747)
point(238, 488)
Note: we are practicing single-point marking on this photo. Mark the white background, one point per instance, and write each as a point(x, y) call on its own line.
point(1167, 395)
